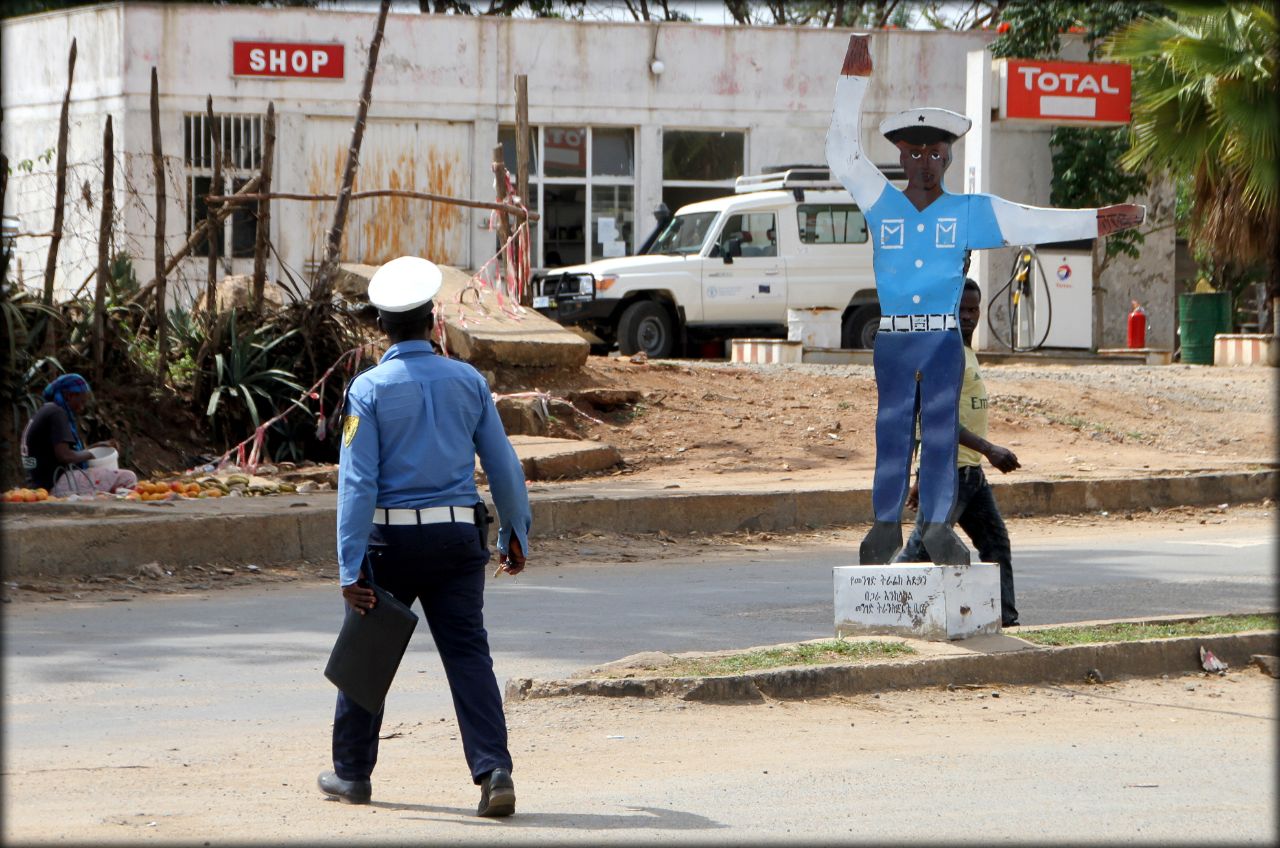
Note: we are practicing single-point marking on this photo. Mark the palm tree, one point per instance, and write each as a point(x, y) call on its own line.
point(1206, 107)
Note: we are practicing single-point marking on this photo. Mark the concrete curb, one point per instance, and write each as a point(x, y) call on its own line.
point(71, 539)
point(1029, 666)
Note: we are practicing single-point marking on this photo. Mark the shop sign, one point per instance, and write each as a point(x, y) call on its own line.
point(1076, 93)
point(286, 59)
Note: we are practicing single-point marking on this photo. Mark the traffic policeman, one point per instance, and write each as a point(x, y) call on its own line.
point(410, 520)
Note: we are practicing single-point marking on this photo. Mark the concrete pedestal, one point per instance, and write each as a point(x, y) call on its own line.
point(919, 600)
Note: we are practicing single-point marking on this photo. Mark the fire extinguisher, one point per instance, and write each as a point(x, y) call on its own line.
point(1137, 327)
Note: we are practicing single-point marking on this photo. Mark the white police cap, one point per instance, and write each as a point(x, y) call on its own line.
point(404, 283)
point(929, 117)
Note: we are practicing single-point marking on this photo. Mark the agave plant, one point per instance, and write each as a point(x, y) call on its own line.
point(247, 380)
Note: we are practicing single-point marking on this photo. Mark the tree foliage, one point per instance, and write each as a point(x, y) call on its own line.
point(1087, 167)
point(1207, 109)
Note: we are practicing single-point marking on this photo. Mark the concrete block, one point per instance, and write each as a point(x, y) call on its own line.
point(1245, 349)
point(523, 416)
point(551, 459)
point(764, 351)
point(480, 331)
point(352, 280)
point(923, 601)
point(606, 398)
point(1268, 664)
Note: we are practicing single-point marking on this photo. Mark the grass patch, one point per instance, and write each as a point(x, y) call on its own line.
point(812, 653)
point(1212, 626)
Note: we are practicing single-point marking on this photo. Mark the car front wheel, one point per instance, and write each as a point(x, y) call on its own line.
point(646, 326)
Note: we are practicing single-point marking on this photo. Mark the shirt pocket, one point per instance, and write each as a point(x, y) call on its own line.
point(399, 401)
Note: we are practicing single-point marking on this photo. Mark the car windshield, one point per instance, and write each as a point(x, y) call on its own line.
point(684, 234)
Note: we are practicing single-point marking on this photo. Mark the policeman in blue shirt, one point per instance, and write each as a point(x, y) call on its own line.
point(411, 521)
point(920, 236)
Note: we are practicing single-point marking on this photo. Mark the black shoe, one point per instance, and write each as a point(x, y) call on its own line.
point(943, 545)
point(881, 544)
point(1013, 623)
point(347, 791)
point(497, 794)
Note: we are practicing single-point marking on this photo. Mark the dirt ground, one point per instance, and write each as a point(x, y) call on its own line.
point(1184, 759)
point(699, 418)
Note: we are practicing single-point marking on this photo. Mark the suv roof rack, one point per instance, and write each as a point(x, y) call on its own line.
point(787, 177)
point(799, 177)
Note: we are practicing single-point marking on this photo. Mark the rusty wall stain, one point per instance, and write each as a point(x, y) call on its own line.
point(380, 229)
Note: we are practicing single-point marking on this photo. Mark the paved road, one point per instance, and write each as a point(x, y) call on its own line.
point(151, 679)
point(272, 643)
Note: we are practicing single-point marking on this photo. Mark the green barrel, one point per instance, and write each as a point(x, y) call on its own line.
point(1202, 315)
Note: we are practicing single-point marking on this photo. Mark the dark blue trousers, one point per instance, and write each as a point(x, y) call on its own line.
point(977, 514)
point(917, 373)
point(442, 566)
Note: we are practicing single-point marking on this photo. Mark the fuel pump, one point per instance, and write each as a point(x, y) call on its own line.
point(1029, 319)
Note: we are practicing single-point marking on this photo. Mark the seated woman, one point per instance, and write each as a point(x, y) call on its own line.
point(53, 455)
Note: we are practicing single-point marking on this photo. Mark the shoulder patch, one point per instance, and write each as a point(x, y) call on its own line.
point(350, 424)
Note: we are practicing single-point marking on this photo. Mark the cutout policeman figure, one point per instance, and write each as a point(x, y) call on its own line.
point(411, 521)
point(919, 237)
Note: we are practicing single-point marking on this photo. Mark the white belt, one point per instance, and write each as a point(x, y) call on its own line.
point(430, 515)
point(933, 323)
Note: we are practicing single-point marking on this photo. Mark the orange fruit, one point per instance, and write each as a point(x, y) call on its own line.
point(42, 494)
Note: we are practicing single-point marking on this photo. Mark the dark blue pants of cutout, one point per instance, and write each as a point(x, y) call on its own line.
point(917, 373)
point(442, 566)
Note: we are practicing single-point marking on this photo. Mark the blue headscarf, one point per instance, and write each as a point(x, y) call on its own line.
point(67, 384)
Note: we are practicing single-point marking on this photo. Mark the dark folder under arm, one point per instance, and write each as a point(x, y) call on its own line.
point(369, 649)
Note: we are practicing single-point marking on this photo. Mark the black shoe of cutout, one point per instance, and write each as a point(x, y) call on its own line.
point(881, 544)
point(497, 794)
point(943, 545)
point(347, 791)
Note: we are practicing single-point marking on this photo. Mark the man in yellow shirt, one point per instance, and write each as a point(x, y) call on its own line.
point(975, 509)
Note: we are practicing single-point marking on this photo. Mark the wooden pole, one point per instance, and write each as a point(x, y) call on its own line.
point(157, 161)
point(522, 139)
point(215, 136)
point(500, 180)
point(104, 249)
point(246, 195)
point(60, 189)
point(263, 235)
point(522, 159)
point(329, 264)
point(198, 234)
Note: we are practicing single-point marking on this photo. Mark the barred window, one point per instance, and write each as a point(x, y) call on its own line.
point(240, 138)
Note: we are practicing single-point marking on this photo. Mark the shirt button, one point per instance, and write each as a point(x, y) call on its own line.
point(915, 298)
point(919, 263)
point(919, 228)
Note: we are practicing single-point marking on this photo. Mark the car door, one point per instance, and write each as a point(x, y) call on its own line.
point(752, 288)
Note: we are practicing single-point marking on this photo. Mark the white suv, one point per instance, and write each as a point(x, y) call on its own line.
point(730, 266)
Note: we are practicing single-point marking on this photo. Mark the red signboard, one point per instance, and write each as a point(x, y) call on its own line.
point(285, 59)
point(1082, 93)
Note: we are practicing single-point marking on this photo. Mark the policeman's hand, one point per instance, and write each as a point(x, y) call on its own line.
point(512, 561)
point(1003, 459)
point(360, 597)
point(1122, 216)
point(913, 496)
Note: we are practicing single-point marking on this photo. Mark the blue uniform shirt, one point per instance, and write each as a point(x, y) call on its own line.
point(413, 427)
point(919, 253)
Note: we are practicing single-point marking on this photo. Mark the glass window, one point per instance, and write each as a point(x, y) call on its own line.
point(684, 233)
point(564, 151)
point(613, 152)
point(825, 223)
point(507, 138)
point(612, 220)
point(755, 231)
point(701, 155)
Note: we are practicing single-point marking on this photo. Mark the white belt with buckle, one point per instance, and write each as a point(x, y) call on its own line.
point(932, 323)
point(430, 515)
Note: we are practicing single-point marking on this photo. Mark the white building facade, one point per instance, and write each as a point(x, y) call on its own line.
point(624, 115)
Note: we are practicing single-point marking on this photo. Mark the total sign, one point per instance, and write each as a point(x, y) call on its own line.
point(1074, 93)
point(281, 59)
